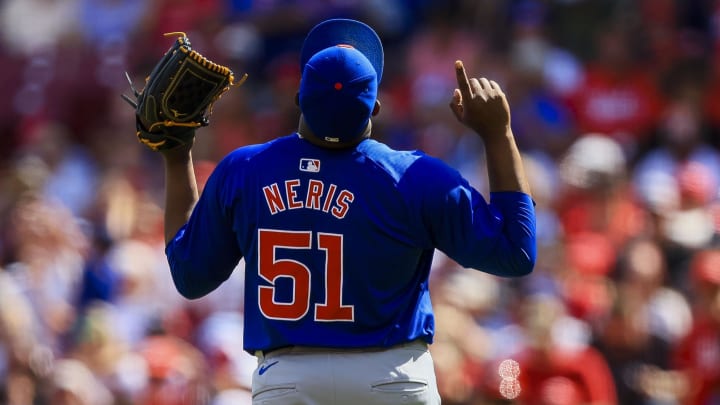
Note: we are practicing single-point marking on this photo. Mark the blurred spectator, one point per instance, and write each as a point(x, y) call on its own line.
point(33, 27)
point(697, 356)
point(711, 96)
point(176, 372)
point(18, 344)
point(196, 18)
point(595, 194)
point(541, 120)
point(558, 366)
point(100, 281)
point(220, 338)
point(673, 32)
point(472, 330)
point(71, 175)
point(647, 320)
point(50, 250)
point(585, 284)
point(108, 27)
point(97, 344)
point(449, 350)
point(142, 292)
point(679, 179)
point(430, 81)
point(74, 384)
point(108, 23)
point(682, 143)
point(617, 97)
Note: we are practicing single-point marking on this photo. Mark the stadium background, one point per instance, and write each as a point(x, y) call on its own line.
point(616, 107)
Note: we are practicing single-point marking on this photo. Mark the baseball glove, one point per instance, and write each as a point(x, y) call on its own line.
point(178, 96)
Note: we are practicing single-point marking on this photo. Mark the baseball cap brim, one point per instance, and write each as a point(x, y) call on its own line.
point(344, 31)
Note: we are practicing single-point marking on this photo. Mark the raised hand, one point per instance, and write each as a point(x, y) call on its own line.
point(480, 104)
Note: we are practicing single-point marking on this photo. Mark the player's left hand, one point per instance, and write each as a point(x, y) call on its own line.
point(178, 96)
point(480, 104)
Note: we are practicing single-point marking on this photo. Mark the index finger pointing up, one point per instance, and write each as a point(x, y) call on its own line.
point(462, 79)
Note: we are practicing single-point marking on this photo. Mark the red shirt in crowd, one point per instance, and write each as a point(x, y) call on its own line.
point(559, 377)
point(625, 106)
point(698, 355)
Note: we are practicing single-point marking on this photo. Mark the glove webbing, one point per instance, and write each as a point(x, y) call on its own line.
point(208, 64)
point(205, 62)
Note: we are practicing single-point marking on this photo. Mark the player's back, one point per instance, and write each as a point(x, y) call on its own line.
point(342, 259)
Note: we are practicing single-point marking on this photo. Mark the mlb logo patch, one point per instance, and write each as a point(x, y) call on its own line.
point(310, 165)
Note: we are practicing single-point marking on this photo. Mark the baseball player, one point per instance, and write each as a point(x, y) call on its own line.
point(338, 231)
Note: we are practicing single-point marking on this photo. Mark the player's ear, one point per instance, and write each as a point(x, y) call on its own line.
point(376, 109)
point(297, 99)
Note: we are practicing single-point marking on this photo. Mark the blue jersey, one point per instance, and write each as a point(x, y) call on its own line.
point(338, 244)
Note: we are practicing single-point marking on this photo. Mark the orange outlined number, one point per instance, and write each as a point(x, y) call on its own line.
point(272, 268)
point(333, 309)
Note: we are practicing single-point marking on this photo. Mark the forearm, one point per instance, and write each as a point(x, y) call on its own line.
point(181, 192)
point(497, 238)
point(504, 164)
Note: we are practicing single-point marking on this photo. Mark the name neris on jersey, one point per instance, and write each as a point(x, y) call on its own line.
point(309, 194)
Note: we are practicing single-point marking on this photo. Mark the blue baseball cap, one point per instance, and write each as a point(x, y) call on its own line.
point(341, 63)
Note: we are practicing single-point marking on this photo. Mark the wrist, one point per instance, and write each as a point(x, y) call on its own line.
point(177, 156)
point(501, 135)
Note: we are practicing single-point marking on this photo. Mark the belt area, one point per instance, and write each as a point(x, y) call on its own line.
point(317, 349)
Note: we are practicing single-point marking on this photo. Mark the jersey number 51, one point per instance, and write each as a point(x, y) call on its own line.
point(271, 268)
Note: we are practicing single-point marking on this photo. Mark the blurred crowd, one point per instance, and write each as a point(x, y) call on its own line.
point(616, 108)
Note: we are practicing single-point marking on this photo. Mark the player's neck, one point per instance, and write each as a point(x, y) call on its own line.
point(306, 133)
